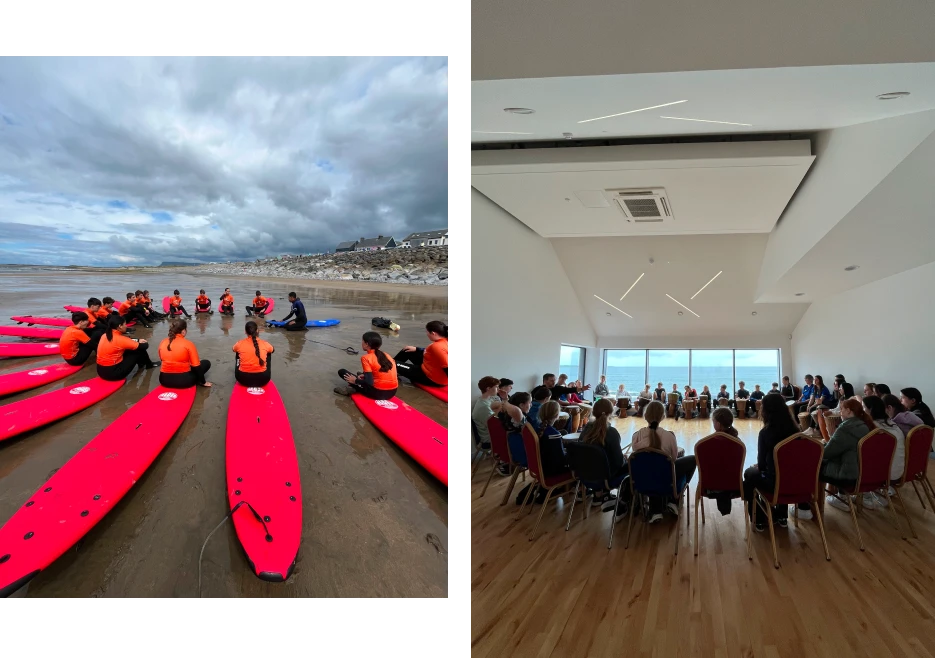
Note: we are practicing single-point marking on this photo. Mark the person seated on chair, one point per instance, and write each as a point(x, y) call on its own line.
point(775, 388)
point(808, 391)
point(911, 398)
point(723, 421)
point(821, 400)
point(881, 389)
point(551, 446)
point(758, 394)
point(895, 411)
point(601, 389)
point(601, 432)
point(659, 393)
point(513, 416)
point(181, 367)
point(505, 388)
point(674, 413)
point(540, 395)
point(839, 464)
point(573, 411)
point(876, 409)
point(742, 394)
point(653, 436)
point(583, 404)
point(623, 401)
point(723, 395)
point(777, 426)
point(484, 408)
point(787, 391)
point(868, 389)
point(690, 394)
point(707, 391)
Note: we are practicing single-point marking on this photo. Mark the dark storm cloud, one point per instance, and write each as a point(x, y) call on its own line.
point(248, 157)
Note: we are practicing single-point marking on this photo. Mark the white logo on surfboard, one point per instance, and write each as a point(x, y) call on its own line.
point(386, 404)
point(255, 390)
point(168, 396)
point(51, 346)
point(79, 390)
point(37, 372)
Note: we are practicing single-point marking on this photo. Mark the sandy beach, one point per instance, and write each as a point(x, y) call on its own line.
point(375, 523)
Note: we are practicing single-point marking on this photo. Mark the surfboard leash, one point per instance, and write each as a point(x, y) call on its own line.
point(259, 518)
point(349, 350)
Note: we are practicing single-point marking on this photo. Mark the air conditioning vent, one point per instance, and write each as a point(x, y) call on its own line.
point(642, 206)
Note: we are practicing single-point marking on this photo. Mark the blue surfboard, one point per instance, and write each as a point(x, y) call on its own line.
point(330, 322)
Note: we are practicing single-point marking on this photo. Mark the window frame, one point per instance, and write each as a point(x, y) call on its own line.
point(582, 363)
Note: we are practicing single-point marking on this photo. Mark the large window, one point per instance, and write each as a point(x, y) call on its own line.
point(572, 363)
point(627, 367)
point(713, 368)
point(757, 367)
point(669, 367)
point(634, 368)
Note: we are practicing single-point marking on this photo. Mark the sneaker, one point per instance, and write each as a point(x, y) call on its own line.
point(870, 501)
point(622, 510)
point(597, 501)
point(343, 390)
point(879, 501)
point(783, 523)
point(154, 364)
point(503, 469)
point(805, 514)
point(759, 527)
point(656, 518)
point(673, 507)
point(834, 501)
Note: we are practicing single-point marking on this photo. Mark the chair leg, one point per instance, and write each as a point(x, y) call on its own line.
point(702, 509)
point(481, 454)
point(493, 470)
point(572, 510)
point(850, 505)
point(532, 490)
point(633, 503)
point(915, 487)
point(613, 521)
point(929, 492)
point(746, 525)
point(747, 511)
point(905, 510)
point(889, 500)
point(545, 504)
point(772, 534)
point(697, 503)
point(821, 526)
point(512, 483)
point(678, 529)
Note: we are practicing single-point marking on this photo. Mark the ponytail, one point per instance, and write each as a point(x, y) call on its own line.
point(655, 411)
point(175, 328)
point(596, 432)
point(437, 327)
point(251, 330)
point(374, 341)
point(113, 322)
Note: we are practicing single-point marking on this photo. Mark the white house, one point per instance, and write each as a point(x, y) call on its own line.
point(437, 238)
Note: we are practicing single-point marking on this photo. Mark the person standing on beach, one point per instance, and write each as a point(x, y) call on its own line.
point(428, 366)
point(298, 310)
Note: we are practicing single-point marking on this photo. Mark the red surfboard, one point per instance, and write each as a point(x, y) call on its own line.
point(40, 410)
point(35, 377)
point(263, 475)
point(10, 350)
point(269, 309)
point(441, 392)
point(31, 332)
point(88, 486)
point(49, 322)
point(418, 435)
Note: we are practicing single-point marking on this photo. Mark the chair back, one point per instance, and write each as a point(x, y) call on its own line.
point(652, 473)
point(477, 440)
point(875, 454)
point(918, 446)
point(797, 460)
point(499, 445)
point(720, 458)
point(533, 458)
point(588, 463)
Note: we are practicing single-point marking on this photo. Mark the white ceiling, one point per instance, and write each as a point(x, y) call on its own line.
point(551, 38)
point(772, 100)
point(607, 267)
point(712, 188)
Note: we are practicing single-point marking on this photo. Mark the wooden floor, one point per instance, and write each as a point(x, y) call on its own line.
point(565, 595)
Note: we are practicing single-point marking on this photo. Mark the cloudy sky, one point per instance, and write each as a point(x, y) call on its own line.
point(126, 160)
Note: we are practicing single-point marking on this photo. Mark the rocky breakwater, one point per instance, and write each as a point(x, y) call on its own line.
point(425, 266)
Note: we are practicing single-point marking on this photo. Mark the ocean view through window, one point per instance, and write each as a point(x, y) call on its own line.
point(571, 363)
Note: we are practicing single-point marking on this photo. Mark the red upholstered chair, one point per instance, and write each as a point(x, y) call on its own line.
point(500, 448)
point(720, 459)
point(918, 446)
point(531, 443)
point(798, 461)
point(875, 453)
point(483, 450)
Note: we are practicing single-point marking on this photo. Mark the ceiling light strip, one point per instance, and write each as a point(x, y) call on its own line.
point(707, 284)
point(682, 305)
point(631, 287)
point(727, 123)
point(642, 109)
point(614, 307)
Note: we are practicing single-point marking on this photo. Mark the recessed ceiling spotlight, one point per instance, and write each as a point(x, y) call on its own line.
point(727, 123)
point(519, 110)
point(642, 109)
point(851, 268)
point(567, 199)
point(893, 95)
point(608, 314)
point(615, 308)
point(754, 313)
point(682, 305)
point(567, 135)
point(680, 313)
point(799, 294)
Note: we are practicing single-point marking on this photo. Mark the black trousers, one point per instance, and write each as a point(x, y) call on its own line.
point(195, 376)
point(202, 307)
point(226, 310)
point(250, 379)
point(153, 313)
point(259, 310)
point(173, 310)
point(366, 389)
point(409, 365)
point(84, 352)
point(296, 325)
point(138, 314)
point(752, 479)
point(131, 358)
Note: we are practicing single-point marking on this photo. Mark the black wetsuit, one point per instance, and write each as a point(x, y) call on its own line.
point(298, 310)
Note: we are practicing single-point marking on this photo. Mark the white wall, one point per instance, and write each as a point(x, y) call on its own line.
point(880, 332)
point(522, 305)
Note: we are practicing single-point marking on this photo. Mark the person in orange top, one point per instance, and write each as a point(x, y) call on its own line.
point(175, 305)
point(76, 344)
point(428, 367)
point(252, 366)
point(203, 303)
point(107, 309)
point(259, 305)
point(130, 310)
point(378, 380)
point(117, 354)
point(148, 305)
point(181, 367)
point(227, 303)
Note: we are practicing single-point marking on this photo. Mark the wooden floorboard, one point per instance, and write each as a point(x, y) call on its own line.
point(565, 595)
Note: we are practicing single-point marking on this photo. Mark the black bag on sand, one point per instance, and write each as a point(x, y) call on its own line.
point(383, 323)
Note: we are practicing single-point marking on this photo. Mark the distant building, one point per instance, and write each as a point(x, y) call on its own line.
point(375, 244)
point(437, 238)
point(346, 246)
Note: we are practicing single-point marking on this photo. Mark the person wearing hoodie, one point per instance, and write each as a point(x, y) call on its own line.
point(912, 400)
point(877, 411)
point(839, 465)
point(895, 411)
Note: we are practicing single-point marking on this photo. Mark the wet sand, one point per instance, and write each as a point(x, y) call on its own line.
point(374, 522)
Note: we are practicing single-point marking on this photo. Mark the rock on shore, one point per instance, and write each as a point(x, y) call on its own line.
point(425, 266)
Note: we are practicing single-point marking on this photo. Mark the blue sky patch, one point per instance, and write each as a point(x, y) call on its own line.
point(161, 217)
point(119, 204)
point(324, 165)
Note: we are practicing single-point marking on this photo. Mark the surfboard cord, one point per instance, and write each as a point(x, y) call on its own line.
point(349, 350)
point(259, 518)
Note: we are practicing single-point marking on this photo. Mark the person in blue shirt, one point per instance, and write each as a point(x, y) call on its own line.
point(807, 392)
point(298, 310)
